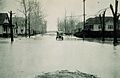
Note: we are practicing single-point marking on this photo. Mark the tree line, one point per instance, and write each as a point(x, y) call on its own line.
point(34, 18)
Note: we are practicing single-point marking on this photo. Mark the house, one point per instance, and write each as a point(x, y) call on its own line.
point(94, 24)
point(19, 28)
point(4, 25)
point(93, 28)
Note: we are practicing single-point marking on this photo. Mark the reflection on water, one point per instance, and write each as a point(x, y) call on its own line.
point(116, 65)
point(26, 58)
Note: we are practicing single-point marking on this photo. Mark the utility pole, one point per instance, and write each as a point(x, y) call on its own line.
point(11, 27)
point(83, 18)
point(29, 24)
point(65, 23)
point(71, 28)
point(26, 26)
point(29, 20)
point(84, 13)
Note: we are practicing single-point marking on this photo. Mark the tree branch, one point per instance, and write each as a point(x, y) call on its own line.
point(111, 7)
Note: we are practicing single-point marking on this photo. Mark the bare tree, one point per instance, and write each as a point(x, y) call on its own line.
point(37, 17)
point(33, 14)
point(25, 12)
point(115, 18)
point(26, 9)
point(68, 27)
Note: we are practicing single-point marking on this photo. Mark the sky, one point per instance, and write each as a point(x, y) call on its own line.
point(55, 9)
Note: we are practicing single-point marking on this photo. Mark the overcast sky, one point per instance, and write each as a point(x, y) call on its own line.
point(56, 8)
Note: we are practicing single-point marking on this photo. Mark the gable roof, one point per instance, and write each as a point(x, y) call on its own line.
point(96, 20)
point(3, 16)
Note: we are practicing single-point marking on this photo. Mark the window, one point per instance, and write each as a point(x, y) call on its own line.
point(91, 26)
point(110, 26)
point(99, 27)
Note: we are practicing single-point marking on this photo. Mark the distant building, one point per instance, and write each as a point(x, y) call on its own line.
point(68, 26)
point(4, 25)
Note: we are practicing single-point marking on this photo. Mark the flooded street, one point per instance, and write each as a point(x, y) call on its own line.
point(26, 58)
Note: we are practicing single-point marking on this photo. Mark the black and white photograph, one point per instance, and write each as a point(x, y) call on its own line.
point(59, 38)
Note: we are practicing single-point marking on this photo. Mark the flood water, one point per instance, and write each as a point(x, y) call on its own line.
point(26, 58)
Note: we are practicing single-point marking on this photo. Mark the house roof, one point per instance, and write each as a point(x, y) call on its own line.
point(96, 20)
point(3, 16)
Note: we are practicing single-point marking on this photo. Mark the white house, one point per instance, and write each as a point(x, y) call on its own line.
point(94, 24)
point(19, 27)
